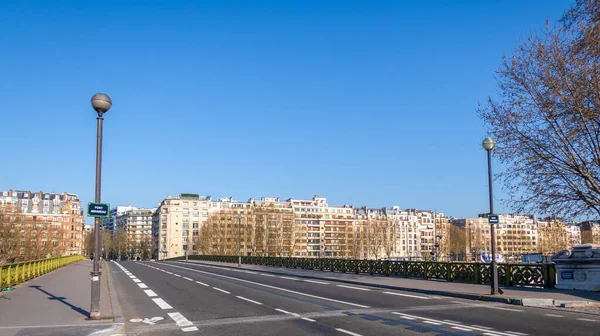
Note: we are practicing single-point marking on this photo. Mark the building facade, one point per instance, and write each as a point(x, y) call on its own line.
point(50, 222)
point(136, 225)
point(109, 223)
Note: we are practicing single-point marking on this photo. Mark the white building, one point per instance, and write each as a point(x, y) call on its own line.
point(109, 223)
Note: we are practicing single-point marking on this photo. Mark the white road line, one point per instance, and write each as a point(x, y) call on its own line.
point(162, 304)
point(136, 280)
point(553, 315)
point(347, 332)
point(408, 295)
point(169, 272)
point(431, 322)
point(406, 317)
point(221, 290)
point(587, 320)
point(500, 308)
point(189, 329)
point(517, 333)
point(462, 328)
point(451, 321)
point(250, 272)
point(186, 278)
point(282, 277)
point(308, 319)
point(362, 289)
point(243, 298)
point(132, 276)
point(142, 285)
point(286, 312)
point(180, 320)
point(150, 292)
point(269, 275)
point(274, 287)
point(474, 327)
point(202, 283)
point(317, 282)
point(177, 275)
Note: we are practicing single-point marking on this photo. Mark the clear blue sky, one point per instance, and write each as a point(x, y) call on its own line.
point(363, 102)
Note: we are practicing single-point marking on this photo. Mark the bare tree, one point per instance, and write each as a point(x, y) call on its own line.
point(553, 237)
point(389, 233)
point(145, 248)
point(106, 244)
point(457, 240)
point(120, 243)
point(375, 236)
point(546, 121)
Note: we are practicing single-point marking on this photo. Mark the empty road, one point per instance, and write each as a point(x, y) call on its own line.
point(177, 298)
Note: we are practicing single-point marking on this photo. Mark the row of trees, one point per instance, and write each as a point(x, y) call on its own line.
point(271, 231)
point(22, 239)
point(120, 245)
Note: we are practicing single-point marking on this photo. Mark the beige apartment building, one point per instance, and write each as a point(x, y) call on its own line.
point(323, 230)
point(49, 223)
point(176, 224)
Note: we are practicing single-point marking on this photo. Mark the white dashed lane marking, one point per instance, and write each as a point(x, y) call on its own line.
point(221, 290)
point(553, 315)
point(246, 299)
point(358, 288)
point(407, 295)
point(162, 304)
point(347, 332)
point(150, 293)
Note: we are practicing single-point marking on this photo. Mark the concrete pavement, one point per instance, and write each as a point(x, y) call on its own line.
point(175, 298)
point(533, 297)
point(56, 303)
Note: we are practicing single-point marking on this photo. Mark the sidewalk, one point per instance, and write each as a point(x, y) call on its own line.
point(57, 303)
point(537, 297)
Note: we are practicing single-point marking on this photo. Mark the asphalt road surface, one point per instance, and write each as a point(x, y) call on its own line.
point(179, 298)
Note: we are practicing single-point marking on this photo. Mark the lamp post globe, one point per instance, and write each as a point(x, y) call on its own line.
point(488, 144)
point(101, 103)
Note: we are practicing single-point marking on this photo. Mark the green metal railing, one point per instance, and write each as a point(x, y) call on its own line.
point(532, 275)
point(14, 274)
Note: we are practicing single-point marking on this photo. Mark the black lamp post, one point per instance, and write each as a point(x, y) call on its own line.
point(101, 103)
point(488, 144)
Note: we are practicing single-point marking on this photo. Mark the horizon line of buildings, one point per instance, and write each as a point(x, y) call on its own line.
point(303, 228)
point(323, 230)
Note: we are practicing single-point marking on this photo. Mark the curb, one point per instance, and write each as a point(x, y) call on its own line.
point(114, 300)
point(467, 296)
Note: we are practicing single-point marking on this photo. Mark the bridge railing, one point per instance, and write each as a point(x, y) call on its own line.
point(530, 275)
point(14, 274)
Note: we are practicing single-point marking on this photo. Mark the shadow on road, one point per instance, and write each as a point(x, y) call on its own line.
point(62, 300)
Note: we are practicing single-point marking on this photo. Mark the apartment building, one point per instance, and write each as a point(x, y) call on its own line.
point(58, 217)
point(590, 232)
point(573, 235)
point(109, 223)
point(176, 224)
point(137, 225)
point(408, 244)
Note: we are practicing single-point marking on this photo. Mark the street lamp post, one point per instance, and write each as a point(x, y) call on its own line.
point(101, 103)
point(240, 217)
point(488, 144)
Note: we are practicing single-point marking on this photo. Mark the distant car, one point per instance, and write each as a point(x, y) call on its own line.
point(152, 260)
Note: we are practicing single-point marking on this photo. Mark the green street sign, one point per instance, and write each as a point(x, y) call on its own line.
point(101, 210)
point(493, 219)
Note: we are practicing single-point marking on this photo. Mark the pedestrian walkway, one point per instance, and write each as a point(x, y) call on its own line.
point(57, 303)
point(514, 295)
